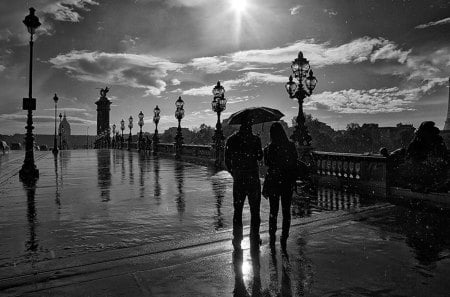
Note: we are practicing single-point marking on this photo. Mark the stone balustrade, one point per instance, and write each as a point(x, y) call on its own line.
point(367, 173)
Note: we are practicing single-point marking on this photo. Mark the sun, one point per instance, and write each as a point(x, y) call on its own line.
point(238, 6)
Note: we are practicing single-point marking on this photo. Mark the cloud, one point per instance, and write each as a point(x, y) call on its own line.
point(429, 65)
point(319, 54)
point(45, 119)
point(65, 10)
point(210, 64)
point(2, 68)
point(67, 109)
point(245, 80)
point(137, 71)
point(387, 100)
point(330, 12)
point(436, 23)
point(188, 3)
point(175, 82)
point(295, 10)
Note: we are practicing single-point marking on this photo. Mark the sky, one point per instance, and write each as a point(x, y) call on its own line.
point(376, 61)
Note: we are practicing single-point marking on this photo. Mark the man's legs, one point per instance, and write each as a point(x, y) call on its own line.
point(239, 194)
point(254, 200)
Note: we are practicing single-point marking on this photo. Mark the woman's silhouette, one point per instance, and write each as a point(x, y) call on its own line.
point(280, 156)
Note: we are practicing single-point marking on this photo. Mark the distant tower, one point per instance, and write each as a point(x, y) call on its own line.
point(64, 129)
point(447, 122)
point(103, 112)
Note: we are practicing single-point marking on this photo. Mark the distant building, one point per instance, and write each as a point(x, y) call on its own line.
point(64, 129)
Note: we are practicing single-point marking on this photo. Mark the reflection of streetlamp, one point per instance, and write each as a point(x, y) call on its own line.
point(299, 89)
point(114, 139)
point(60, 128)
point(29, 170)
point(156, 119)
point(130, 125)
point(179, 114)
point(122, 127)
point(108, 138)
point(140, 123)
point(219, 104)
point(55, 143)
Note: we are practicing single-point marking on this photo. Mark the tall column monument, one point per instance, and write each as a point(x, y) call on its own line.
point(103, 108)
point(447, 122)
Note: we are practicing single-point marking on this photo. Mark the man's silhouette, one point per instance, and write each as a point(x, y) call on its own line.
point(242, 153)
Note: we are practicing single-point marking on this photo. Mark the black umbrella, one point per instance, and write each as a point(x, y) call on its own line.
point(255, 115)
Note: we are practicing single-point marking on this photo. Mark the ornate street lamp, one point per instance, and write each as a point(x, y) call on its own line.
point(122, 127)
point(60, 132)
point(114, 139)
point(299, 87)
point(29, 172)
point(156, 118)
point(218, 105)
point(140, 123)
point(55, 142)
point(179, 114)
point(130, 125)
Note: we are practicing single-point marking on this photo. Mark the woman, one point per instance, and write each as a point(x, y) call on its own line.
point(280, 156)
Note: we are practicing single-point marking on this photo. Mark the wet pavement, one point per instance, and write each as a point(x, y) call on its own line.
point(116, 223)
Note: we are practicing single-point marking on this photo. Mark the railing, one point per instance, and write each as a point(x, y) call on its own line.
point(364, 172)
point(190, 150)
point(166, 148)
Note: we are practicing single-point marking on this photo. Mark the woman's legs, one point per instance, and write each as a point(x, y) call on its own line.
point(274, 201)
point(286, 200)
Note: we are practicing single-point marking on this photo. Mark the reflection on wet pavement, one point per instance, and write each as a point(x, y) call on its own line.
point(89, 201)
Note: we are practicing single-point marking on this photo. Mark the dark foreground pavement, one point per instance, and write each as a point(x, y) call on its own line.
point(338, 255)
point(375, 250)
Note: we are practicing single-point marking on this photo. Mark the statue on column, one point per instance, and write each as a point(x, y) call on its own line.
point(103, 92)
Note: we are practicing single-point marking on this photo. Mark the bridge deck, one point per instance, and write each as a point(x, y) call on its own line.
point(103, 218)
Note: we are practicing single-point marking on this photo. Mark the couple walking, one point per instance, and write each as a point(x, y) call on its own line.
point(242, 153)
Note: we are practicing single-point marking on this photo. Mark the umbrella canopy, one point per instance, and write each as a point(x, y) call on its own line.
point(255, 115)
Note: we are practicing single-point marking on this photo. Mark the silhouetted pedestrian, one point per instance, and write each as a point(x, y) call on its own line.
point(281, 158)
point(242, 153)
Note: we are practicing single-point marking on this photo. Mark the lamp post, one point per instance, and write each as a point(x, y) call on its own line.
point(140, 123)
point(29, 170)
point(122, 127)
point(130, 125)
point(60, 134)
point(114, 139)
point(299, 87)
point(156, 118)
point(218, 105)
point(55, 142)
point(179, 114)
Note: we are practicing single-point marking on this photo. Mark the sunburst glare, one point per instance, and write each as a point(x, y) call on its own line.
point(238, 6)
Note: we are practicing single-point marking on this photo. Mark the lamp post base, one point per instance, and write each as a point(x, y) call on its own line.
point(55, 151)
point(28, 173)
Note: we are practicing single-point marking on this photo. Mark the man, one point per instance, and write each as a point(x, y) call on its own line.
point(242, 153)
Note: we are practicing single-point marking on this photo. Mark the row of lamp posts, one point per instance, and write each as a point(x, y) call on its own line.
point(299, 86)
